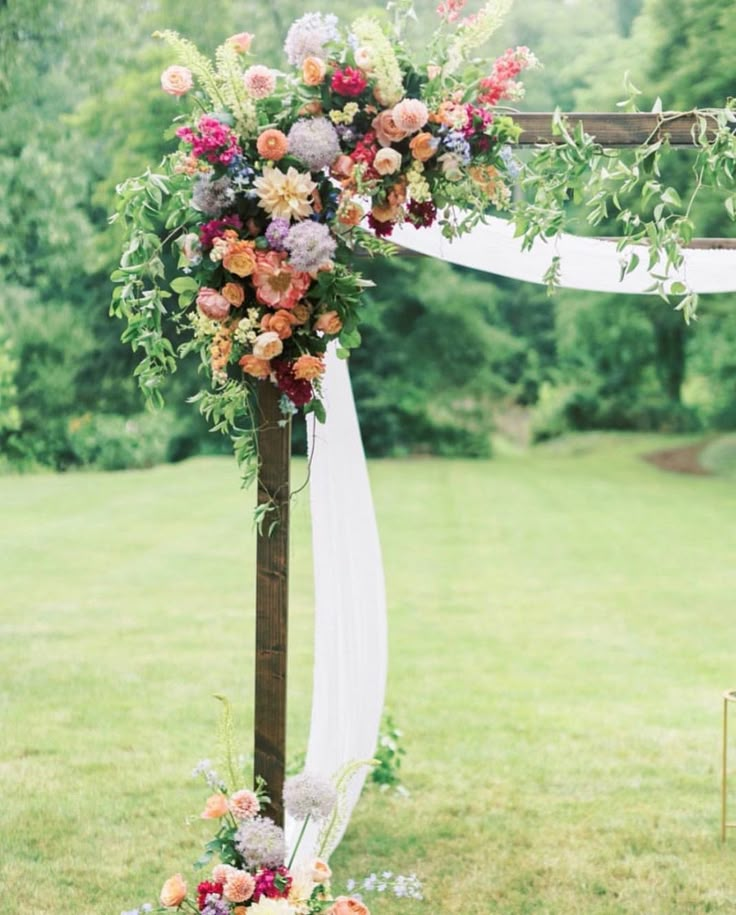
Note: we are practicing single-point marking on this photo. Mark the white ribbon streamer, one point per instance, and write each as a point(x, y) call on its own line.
point(586, 263)
point(350, 657)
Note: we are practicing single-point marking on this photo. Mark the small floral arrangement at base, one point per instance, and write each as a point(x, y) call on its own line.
point(252, 875)
point(282, 175)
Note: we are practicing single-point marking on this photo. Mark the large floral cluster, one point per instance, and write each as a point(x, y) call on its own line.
point(284, 175)
point(252, 876)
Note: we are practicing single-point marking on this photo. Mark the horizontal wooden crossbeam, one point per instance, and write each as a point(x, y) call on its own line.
point(617, 129)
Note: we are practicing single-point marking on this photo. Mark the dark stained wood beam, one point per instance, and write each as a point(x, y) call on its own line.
point(272, 597)
point(610, 129)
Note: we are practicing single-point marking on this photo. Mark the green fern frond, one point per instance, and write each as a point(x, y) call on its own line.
point(232, 89)
point(227, 738)
point(190, 56)
point(328, 836)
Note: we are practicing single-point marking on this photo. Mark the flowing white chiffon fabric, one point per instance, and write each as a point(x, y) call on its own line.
point(350, 656)
point(586, 263)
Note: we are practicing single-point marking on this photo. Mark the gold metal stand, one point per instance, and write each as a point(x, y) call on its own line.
point(728, 696)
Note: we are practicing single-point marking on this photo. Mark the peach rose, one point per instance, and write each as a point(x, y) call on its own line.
point(239, 886)
point(307, 368)
point(387, 130)
point(300, 313)
point(387, 161)
point(241, 42)
point(350, 213)
point(384, 213)
point(346, 905)
point(215, 807)
point(257, 368)
point(313, 71)
point(268, 345)
point(173, 892)
point(321, 872)
point(234, 293)
point(280, 322)
point(311, 109)
point(342, 167)
point(410, 115)
point(240, 258)
point(176, 80)
point(363, 59)
point(397, 195)
point(212, 304)
point(328, 323)
point(423, 146)
point(272, 144)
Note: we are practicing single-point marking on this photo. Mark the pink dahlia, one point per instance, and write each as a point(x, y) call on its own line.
point(244, 804)
point(277, 283)
point(259, 81)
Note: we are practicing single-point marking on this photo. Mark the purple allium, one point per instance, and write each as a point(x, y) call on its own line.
point(212, 197)
point(276, 233)
point(308, 36)
point(315, 142)
point(261, 842)
point(215, 905)
point(309, 795)
point(310, 245)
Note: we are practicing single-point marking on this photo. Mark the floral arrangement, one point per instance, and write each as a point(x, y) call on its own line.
point(281, 176)
point(250, 876)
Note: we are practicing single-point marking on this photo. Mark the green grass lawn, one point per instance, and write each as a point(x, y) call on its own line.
point(562, 627)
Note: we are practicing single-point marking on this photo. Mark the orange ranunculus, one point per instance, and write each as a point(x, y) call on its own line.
point(252, 365)
point(313, 71)
point(240, 258)
point(384, 213)
point(234, 293)
point(280, 322)
point(307, 368)
point(300, 313)
point(345, 905)
point(423, 146)
point(272, 144)
point(350, 213)
point(215, 807)
point(387, 130)
point(173, 892)
point(329, 323)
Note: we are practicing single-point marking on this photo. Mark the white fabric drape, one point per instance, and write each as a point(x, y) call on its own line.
point(586, 263)
point(350, 658)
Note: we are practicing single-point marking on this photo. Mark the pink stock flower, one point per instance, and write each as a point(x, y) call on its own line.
point(211, 140)
point(501, 84)
point(277, 283)
point(449, 10)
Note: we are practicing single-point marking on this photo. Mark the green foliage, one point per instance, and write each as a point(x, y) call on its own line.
point(389, 754)
point(108, 441)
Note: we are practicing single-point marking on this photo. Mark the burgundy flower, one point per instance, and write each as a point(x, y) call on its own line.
point(299, 392)
point(422, 215)
point(348, 82)
point(381, 229)
point(215, 227)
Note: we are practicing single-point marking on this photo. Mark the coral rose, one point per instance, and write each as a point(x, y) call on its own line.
point(313, 71)
point(423, 146)
point(241, 42)
point(346, 905)
point(234, 293)
point(257, 368)
point(239, 886)
point(244, 804)
point(387, 161)
point(212, 304)
point(328, 323)
point(342, 167)
point(267, 346)
point(215, 807)
point(272, 144)
point(410, 115)
point(240, 258)
point(350, 213)
point(173, 892)
point(281, 323)
point(321, 872)
point(387, 130)
point(176, 80)
point(308, 367)
point(300, 313)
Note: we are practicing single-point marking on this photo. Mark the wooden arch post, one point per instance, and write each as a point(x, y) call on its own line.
point(274, 443)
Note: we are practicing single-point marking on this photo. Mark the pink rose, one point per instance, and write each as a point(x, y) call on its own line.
point(212, 304)
point(268, 345)
point(176, 80)
point(241, 42)
point(387, 130)
point(387, 161)
point(411, 115)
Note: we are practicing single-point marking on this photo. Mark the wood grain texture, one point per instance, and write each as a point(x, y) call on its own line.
point(610, 129)
point(272, 598)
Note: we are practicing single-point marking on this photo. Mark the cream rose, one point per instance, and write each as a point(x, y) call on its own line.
point(387, 161)
point(176, 80)
point(268, 345)
point(313, 71)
